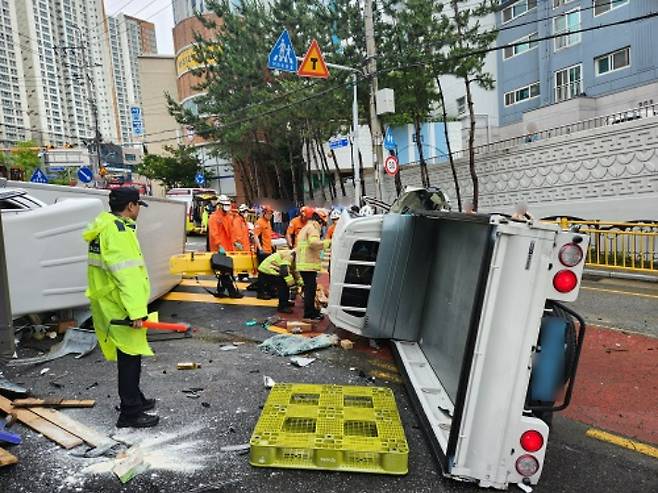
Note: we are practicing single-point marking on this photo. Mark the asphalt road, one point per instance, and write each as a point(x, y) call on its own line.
point(616, 303)
point(184, 449)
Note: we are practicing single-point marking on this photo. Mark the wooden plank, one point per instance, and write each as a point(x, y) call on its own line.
point(53, 402)
point(7, 459)
point(40, 425)
point(92, 437)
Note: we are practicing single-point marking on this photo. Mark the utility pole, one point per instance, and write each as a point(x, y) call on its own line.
point(90, 87)
point(375, 125)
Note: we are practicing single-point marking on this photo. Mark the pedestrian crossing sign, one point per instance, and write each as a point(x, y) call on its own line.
point(283, 56)
point(313, 64)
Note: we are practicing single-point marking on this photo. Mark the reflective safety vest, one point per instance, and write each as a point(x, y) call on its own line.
point(118, 284)
point(281, 263)
point(309, 246)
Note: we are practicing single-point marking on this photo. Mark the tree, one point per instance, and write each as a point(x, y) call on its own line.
point(176, 170)
point(25, 156)
point(466, 59)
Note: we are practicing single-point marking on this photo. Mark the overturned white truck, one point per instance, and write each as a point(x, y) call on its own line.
point(472, 306)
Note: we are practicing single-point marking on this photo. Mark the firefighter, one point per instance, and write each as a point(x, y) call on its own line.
point(241, 235)
point(263, 234)
point(335, 217)
point(309, 246)
point(278, 272)
point(119, 289)
point(296, 225)
point(220, 233)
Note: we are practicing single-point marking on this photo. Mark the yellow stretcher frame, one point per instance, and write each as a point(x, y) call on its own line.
point(198, 263)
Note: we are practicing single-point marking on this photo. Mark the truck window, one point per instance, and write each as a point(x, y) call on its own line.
point(362, 251)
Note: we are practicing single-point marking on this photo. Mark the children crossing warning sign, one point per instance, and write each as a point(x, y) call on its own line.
point(313, 64)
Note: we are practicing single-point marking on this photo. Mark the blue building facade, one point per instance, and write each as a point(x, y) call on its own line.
point(596, 63)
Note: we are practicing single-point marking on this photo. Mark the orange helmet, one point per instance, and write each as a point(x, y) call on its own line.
point(306, 212)
point(267, 208)
point(322, 214)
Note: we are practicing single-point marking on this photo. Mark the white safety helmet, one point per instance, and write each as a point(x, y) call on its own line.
point(335, 214)
point(367, 210)
point(224, 200)
point(243, 208)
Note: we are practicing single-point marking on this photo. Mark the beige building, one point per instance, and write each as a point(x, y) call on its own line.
point(157, 74)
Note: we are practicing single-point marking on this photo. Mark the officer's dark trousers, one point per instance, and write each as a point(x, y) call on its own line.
point(130, 369)
point(225, 283)
point(268, 283)
point(310, 286)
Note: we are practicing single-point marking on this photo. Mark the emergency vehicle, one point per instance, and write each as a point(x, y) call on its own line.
point(473, 305)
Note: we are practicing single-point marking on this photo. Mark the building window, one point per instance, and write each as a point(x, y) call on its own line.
point(568, 83)
point(603, 6)
point(567, 23)
point(522, 94)
point(461, 105)
point(517, 9)
point(559, 3)
point(518, 49)
point(612, 62)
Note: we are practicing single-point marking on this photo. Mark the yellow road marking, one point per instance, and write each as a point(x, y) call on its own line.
point(616, 291)
point(208, 298)
point(208, 283)
point(640, 447)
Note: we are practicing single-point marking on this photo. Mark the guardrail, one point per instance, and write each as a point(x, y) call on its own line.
point(624, 246)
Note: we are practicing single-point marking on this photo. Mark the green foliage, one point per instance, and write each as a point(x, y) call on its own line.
point(25, 156)
point(178, 169)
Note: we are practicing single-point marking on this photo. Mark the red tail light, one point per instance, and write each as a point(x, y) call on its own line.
point(565, 281)
point(532, 440)
point(570, 254)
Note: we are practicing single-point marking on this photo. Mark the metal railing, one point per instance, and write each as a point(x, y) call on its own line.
point(625, 246)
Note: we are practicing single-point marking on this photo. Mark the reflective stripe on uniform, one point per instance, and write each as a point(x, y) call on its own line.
point(127, 264)
point(95, 262)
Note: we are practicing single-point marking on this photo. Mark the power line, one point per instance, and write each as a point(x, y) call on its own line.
point(390, 69)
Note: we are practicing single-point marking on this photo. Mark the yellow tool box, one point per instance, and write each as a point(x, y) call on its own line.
point(198, 263)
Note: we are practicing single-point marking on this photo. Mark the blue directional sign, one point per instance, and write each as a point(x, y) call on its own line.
point(283, 56)
point(199, 178)
point(39, 177)
point(85, 175)
point(389, 141)
point(338, 143)
point(136, 119)
point(56, 169)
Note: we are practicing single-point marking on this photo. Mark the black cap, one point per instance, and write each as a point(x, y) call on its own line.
point(121, 197)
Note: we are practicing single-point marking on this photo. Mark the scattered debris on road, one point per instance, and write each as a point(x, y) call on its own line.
point(301, 362)
point(188, 365)
point(55, 402)
point(346, 344)
point(284, 345)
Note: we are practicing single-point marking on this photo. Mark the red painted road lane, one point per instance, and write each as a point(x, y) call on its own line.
point(617, 384)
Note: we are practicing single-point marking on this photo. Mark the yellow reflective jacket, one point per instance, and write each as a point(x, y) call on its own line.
point(118, 284)
point(281, 263)
point(309, 246)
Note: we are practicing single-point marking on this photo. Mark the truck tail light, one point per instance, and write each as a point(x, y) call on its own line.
point(527, 465)
point(570, 254)
point(565, 281)
point(532, 441)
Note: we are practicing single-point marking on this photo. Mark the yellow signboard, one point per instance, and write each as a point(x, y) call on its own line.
point(185, 61)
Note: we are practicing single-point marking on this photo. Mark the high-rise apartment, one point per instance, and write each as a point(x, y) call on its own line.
point(551, 73)
point(129, 39)
point(64, 65)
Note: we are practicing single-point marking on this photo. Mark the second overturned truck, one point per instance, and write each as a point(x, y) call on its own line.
point(473, 306)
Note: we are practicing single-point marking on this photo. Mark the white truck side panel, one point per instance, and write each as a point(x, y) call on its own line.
point(491, 426)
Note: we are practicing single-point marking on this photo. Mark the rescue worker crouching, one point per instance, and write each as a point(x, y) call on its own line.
point(278, 272)
point(119, 289)
point(309, 246)
point(220, 239)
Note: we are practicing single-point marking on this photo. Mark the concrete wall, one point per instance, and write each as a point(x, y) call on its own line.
point(609, 173)
point(158, 76)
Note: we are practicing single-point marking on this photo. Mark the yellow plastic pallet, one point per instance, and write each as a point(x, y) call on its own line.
point(332, 427)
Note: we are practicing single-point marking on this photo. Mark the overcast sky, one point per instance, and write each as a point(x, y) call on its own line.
point(159, 12)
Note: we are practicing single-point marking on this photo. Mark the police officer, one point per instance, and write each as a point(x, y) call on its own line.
point(119, 289)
